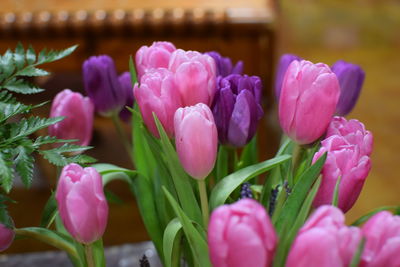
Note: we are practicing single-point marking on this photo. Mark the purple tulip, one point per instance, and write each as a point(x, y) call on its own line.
point(81, 203)
point(351, 78)
point(6, 237)
point(194, 76)
point(241, 234)
point(349, 147)
point(284, 63)
point(101, 84)
point(324, 241)
point(196, 139)
point(237, 108)
point(157, 93)
point(78, 112)
point(153, 57)
point(308, 100)
point(126, 85)
point(382, 247)
point(224, 65)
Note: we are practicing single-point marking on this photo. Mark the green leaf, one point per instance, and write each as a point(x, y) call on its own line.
point(222, 164)
point(24, 164)
point(28, 126)
point(366, 217)
point(181, 180)
point(22, 87)
point(293, 203)
point(31, 71)
point(30, 55)
point(110, 172)
point(132, 71)
point(226, 186)
point(250, 154)
point(49, 212)
point(197, 243)
point(19, 56)
point(335, 198)
point(51, 238)
point(355, 261)
point(56, 157)
point(46, 57)
point(171, 243)
point(6, 172)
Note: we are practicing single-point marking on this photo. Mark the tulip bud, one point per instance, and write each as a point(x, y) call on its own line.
point(157, 93)
point(324, 240)
point(153, 57)
point(224, 65)
point(6, 237)
point(283, 65)
point(237, 108)
point(382, 247)
point(101, 84)
point(308, 100)
point(196, 139)
point(78, 112)
point(241, 234)
point(351, 78)
point(194, 76)
point(126, 85)
point(348, 146)
point(81, 203)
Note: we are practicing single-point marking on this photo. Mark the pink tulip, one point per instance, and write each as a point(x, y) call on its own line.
point(349, 146)
point(6, 237)
point(241, 235)
point(324, 241)
point(382, 247)
point(157, 93)
point(155, 56)
point(308, 100)
point(78, 112)
point(195, 76)
point(81, 202)
point(196, 139)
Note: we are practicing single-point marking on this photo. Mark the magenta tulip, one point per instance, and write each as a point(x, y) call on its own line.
point(78, 112)
point(308, 99)
point(241, 235)
point(324, 241)
point(6, 237)
point(195, 76)
point(349, 146)
point(196, 139)
point(155, 56)
point(382, 247)
point(81, 203)
point(157, 93)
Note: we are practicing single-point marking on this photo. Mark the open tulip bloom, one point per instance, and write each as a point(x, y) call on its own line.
point(204, 196)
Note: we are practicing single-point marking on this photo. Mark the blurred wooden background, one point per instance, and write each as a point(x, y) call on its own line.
point(363, 32)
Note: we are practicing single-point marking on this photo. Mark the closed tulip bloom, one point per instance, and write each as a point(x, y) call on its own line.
point(195, 76)
point(126, 84)
point(324, 241)
point(78, 112)
point(224, 65)
point(153, 57)
point(241, 235)
point(157, 93)
point(6, 237)
point(81, 203)
point(351, 78)
point(348, 146)
point(101, 84)
point(237, 108)
point(284, 63)
point(382, 247)
point(308, 100)
point(196, 139)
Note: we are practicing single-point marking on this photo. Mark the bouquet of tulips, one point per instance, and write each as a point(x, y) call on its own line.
point(205, 198)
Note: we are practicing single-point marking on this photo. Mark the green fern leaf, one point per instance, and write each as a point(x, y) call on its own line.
point(31, 71)
point(30, 55)
point(22, 87)
point(24, 164)
point(6, 172)
point(19, 56)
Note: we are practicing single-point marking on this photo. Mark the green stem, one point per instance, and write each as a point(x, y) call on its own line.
point(89, 255)
point(121, 133)
point(204, 201)
point(296, 160)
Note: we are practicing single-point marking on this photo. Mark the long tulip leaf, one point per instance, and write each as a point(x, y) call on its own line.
point(171, 243)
